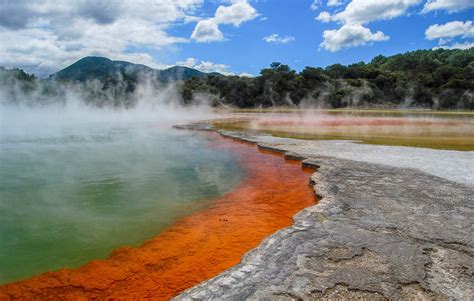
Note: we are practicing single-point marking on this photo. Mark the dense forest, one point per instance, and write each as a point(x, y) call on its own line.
point(437, 79)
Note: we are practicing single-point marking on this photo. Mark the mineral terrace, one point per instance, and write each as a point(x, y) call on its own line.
point(378, 232)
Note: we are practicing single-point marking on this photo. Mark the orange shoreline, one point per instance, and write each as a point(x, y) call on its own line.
point(195, 248)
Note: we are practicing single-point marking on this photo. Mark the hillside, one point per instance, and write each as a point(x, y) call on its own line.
point(102, 68)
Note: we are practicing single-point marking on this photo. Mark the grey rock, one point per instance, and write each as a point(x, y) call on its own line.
point(378, 232)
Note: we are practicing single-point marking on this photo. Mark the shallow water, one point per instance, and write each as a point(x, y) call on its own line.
point(74, 193)
point(450, 132)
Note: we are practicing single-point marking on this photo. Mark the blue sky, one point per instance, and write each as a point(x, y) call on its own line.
point(227, 36)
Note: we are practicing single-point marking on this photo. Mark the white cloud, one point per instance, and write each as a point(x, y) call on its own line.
point(207, 31)
point(443, 41)
point(190, 62)
point(44, 36)
point(449, 5)
point(324, 17)
point(450, 30)
point(349, 36)
point(205, 66)
point(18, 14)
point(366, 11)
point(465, 45)
point(42, 53)
point(236, 14)
point(246, 75)
point(314, 5)
point(276, 39)
point(334, 2)
point(353, 18)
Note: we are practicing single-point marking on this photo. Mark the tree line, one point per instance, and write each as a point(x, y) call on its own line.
point(439, 79)
point(436, 79)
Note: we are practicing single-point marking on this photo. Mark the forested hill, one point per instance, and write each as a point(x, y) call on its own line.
point(104, 69)
point(438, 79)
point(97, 81)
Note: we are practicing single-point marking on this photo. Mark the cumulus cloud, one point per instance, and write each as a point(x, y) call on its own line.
point(235, 14)
point(324, 17)
point(350, 35)
point(246, 75)
point(207, 31)
point(449, 5)
point(450, 30)
point(353, 18)
point(16, 15)
point(365, 11)
point(205, 66)
point(314, 5)
point(334, 2)
point(465, 45)
point(44, 36)
point(102, 12)
point(276, 39)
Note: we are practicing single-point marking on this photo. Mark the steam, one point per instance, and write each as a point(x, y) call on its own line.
point(317, 124)
point(86, 168)
point(330, 94)
point(42, 104)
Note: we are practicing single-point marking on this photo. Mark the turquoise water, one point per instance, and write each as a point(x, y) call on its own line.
point(73, 193)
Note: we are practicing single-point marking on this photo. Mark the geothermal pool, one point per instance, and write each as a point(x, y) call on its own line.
point(449, 131)
point(108, 204)
point(72, 193)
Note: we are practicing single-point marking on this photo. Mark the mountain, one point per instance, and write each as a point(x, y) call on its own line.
point(181, 73)
point(101, 68)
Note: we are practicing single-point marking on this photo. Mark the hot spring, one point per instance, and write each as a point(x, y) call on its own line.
point(436, 130)
point(74, 187)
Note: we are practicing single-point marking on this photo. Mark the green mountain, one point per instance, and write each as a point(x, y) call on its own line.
point(102, 68)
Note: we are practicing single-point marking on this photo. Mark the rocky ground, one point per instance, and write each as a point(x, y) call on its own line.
point(378, 232)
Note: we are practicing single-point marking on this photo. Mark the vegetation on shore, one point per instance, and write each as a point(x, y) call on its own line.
point(438, 79)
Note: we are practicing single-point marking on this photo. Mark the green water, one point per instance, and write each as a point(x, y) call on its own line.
point(72, 194)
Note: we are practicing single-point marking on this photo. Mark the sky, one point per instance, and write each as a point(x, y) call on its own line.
point(231, 36)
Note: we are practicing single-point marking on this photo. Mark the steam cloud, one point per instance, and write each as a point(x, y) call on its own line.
point(41, 103)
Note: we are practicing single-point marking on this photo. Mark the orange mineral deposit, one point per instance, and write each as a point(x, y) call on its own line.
point(195, 248)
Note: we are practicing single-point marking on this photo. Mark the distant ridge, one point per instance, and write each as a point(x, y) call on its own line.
point(101, 68)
